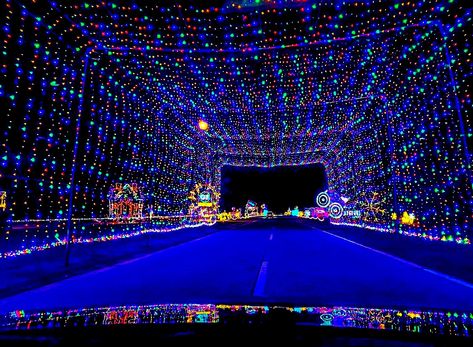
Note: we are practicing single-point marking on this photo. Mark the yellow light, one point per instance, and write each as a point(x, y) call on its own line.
point(203, 125)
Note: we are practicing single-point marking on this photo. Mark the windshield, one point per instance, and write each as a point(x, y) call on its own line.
point(186, 162)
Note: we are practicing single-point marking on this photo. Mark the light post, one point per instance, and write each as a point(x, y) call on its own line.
point(392, 179)
point(74, 155)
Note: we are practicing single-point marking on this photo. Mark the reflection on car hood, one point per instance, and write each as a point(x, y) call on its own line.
point(415, 321)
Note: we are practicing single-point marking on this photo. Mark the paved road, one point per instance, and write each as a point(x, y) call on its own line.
point(272, 261)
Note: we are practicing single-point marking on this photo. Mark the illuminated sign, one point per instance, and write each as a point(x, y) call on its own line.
point(205, 196)
point(205, 199)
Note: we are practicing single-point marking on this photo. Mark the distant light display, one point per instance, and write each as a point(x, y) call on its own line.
point(125, 202)
point(433, 323)
point(234, 214)
point(264, 210)
point(329, 202)
point(331, 205)
point(373, 206)
point(204, 203)
point(105, 92)
point(408, 218)
point(3, 200)
point(251, 209)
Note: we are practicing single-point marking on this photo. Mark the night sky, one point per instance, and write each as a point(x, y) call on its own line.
point(278, 187)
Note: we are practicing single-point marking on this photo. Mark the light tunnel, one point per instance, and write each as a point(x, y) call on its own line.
point(91, 105)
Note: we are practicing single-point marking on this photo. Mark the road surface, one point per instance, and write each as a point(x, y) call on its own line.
point(269, 261)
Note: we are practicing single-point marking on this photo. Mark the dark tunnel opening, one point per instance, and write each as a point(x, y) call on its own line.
point(279, 187)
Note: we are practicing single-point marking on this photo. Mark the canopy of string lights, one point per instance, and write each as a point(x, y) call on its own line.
point(100, 94)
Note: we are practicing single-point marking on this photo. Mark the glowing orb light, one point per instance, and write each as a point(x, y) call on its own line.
point(203, 125)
